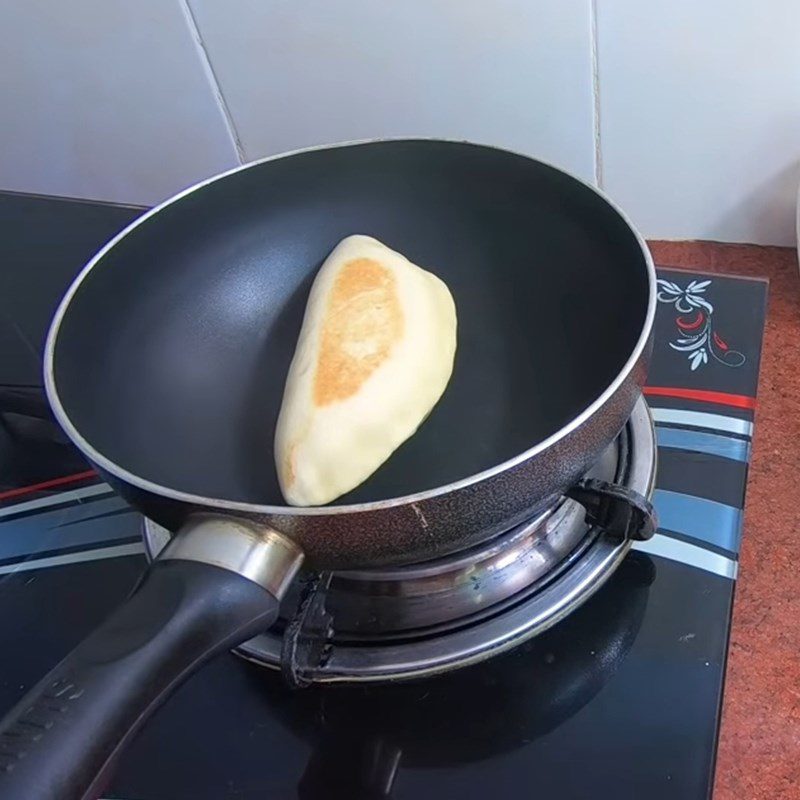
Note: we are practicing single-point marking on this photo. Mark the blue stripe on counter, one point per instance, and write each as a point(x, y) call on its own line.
point(62, 498)
point(690, 554)
point(700, 419)
point(701, 519)
point(702, 442)
point(661, 545)
point(98, 554)
point(82, 524)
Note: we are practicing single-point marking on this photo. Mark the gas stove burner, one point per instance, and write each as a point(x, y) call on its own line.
point(359, 735)
point(422, 619)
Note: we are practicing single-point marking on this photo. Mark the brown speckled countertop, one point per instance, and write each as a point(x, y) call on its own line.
point(759, 749)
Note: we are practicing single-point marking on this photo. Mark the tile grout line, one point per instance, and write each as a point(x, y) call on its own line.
point(598, 150)
point(212, 79)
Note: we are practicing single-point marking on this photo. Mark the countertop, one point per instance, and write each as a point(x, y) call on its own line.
point(760, 739)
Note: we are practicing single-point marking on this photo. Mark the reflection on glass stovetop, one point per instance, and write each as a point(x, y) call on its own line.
point(361, 736)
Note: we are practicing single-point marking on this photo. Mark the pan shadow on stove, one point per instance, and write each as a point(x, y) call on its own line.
point(361, 737)
point(32, 446)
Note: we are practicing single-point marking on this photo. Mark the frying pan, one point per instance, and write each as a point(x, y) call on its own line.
point(165, 365)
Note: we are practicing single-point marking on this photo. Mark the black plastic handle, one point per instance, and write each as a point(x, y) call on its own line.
point(61, 740)
point(619, 511)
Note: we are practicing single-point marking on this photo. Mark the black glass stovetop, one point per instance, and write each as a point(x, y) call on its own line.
point(621, 700)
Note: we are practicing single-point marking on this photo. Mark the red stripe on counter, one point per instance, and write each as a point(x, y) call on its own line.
point(38, 487)
point(720, 398)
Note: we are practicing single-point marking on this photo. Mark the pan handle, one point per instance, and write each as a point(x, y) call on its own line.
point(216, 585)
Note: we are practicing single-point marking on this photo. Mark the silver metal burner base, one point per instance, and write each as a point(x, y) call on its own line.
point(418, 620)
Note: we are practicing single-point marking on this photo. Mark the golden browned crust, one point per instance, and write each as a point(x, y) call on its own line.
point(362, 321)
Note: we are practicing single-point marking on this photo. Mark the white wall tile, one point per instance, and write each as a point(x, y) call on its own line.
point(105, 100)
point(700, 116)
point(513, 73)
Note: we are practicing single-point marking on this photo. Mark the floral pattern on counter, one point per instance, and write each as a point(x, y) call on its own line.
point(696, 335)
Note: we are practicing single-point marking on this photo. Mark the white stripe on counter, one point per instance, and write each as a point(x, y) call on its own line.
point(677, 550)
point(714, 444)
point(115, 551)
point(660, 545)
point(56, 499)
point(700, 419)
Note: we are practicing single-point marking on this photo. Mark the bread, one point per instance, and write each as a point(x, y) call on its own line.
point(374, 356)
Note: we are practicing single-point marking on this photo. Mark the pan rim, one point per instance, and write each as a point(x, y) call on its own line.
point(118, 471)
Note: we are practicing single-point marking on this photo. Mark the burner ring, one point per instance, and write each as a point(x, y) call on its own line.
point(425, 619)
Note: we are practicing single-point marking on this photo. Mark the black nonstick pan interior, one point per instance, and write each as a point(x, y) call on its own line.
point(172, 356)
